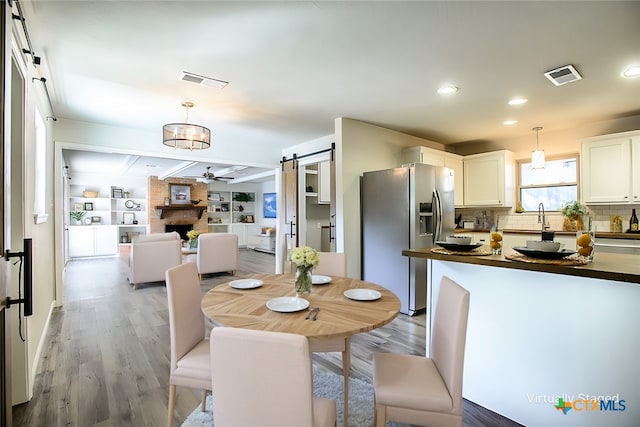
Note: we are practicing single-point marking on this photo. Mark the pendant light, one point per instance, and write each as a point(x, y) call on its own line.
point(185, 135)
point(537, 155)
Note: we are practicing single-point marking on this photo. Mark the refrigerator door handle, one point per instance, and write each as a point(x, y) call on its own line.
point(437, 216)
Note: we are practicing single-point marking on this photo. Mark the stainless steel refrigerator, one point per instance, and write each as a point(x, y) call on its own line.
point(404, 208)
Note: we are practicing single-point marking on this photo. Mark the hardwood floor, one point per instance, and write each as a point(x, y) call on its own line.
point(106, 361)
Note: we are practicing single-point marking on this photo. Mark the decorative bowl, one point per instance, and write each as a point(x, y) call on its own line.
point(459, 240)
point(543, 246)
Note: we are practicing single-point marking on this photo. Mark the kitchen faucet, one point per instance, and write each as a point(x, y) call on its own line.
point(541, 217)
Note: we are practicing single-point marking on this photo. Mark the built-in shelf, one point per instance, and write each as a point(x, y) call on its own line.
point(163, 209)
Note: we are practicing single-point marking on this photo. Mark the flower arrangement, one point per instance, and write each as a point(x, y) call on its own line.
point(305, 258)
point(193, 238)
point(193, 234)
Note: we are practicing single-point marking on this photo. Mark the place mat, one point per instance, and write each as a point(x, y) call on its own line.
point(564, 261)
point(482, 250)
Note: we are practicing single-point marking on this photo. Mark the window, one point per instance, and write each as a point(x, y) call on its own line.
point(553, 186)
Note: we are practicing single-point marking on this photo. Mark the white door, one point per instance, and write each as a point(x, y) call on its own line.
point(5, 357)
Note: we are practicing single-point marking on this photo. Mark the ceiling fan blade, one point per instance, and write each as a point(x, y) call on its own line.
point(220, 178)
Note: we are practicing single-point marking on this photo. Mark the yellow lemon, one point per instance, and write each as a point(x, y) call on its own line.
point(586, 251)
point(583, 240)
point(497, 237)
point(495, 245)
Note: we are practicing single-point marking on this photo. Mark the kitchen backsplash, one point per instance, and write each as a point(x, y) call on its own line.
point(506, 218)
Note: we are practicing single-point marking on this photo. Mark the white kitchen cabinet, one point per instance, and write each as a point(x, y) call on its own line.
point(430, 156)
point(455, 163)
point(98, 240)
point(610, 169)
point(324, 182)
point(318, 182)
point(489, 179)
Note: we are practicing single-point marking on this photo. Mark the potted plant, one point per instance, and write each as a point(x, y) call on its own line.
point(77, 216)
point(572, 212)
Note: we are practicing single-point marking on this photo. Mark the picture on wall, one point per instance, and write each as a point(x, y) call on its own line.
point(180, 194)
point(269, 205)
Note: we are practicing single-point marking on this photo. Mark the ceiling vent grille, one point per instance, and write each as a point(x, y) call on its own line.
point(563, 75)
point(202, 80)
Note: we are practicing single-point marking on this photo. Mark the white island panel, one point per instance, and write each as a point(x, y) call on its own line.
point(533, 337)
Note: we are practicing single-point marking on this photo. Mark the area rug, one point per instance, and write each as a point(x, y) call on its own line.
point(325, 384)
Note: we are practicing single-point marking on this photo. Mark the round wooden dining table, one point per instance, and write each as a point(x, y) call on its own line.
point(338, 317)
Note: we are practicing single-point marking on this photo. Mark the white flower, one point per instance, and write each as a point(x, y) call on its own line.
point(304, 257)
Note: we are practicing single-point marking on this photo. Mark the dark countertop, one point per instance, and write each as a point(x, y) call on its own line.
point(601, 234)
point(607, 266)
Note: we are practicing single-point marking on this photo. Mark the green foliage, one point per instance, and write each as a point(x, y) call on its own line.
point(78, 215)
point(242, 197)
point(573, 209)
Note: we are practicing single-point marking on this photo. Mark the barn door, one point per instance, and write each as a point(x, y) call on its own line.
point(290, 207)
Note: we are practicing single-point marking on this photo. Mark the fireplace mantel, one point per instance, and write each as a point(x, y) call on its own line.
point(164, 209)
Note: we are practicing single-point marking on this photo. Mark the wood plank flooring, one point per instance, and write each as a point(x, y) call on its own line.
point(106, 361)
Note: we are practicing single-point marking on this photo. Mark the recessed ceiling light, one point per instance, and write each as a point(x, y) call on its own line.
point(447, 90)
point(509, 122)
point(632, 71)
point(517, 101)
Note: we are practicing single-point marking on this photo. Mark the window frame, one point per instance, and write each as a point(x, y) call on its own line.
point(565, 156)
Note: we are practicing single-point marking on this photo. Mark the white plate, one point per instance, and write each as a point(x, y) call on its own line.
point(287, 304)
point(245, 283)
point(362, 294)
point(318, 279)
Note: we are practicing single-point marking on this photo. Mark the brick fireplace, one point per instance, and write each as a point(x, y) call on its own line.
point(159, 189)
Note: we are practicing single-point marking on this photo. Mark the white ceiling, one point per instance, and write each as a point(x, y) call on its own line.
point(295, 66)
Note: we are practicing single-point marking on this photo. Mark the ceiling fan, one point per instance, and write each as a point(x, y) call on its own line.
point(210, 176)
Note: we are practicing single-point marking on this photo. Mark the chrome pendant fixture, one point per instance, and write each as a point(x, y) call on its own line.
point(186, 135)
point(537, 155)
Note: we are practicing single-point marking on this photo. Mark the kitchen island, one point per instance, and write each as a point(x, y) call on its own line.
point(540, 332)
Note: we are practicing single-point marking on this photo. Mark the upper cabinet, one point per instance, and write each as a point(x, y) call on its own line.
point(610, 168)
point(489, 179)
point(318, 182)
point(430, 156)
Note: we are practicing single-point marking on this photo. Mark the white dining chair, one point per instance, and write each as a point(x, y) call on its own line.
point(265, 379)
point(190, 358)
point(335, 264)
point(427, 391)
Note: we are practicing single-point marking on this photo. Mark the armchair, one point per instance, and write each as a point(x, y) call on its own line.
point(151, 256)
point(217, 252)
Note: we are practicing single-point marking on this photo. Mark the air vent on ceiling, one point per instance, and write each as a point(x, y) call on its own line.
point(202, 80)
point(563, 75)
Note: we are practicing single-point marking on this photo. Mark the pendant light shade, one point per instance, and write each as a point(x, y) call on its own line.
point(537, 155)
point(186, 135)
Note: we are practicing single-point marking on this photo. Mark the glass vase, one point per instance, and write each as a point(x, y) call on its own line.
point(303, 280)
point(193, 243)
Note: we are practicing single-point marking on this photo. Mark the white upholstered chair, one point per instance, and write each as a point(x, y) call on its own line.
point(332, 264)
point(335, 264)
point(152, 255)
point(265, 379)
point(217, 252)
point(427, 391)
point(190, 359)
